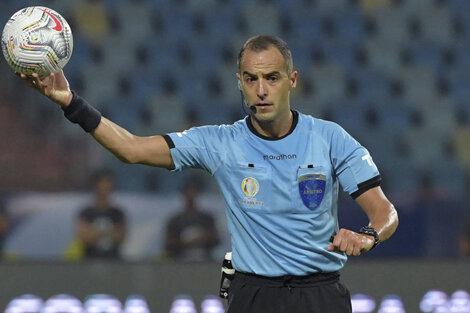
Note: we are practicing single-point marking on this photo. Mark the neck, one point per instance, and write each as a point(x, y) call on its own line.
point(102, 203)
point(273, 128)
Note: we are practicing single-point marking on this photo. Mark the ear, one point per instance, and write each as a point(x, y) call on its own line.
point(293, 79)
point(239, 83)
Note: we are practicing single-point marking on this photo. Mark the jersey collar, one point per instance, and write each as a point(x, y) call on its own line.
point(295, 120)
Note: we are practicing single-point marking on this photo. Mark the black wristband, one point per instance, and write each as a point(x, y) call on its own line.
point(81, 113)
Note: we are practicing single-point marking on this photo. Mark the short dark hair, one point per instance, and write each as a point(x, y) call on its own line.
point(264, 42)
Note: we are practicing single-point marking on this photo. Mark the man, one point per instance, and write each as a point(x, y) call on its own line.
point(4, 228)
point(278, 171)
point(191, 234)
point(101, 226)
point(464, 238)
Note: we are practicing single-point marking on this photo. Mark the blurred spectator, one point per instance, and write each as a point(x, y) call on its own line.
point(464, 239)
point(462, 141)
point(3, 229)
point(191, 234)
point(92, 19)
point(101, 226)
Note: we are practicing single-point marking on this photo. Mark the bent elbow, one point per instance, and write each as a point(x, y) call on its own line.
point(394, 220)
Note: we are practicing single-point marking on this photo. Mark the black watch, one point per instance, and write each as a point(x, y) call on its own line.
point(370, 231)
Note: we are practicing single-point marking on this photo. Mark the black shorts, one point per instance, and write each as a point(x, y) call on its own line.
point(316, 293)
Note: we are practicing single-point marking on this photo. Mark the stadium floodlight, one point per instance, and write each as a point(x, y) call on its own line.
point(183, 309)
point(102, 303)
point(362, 303)
point(211, 300)
point(136, 304)
point(62, 303)
point(183, 304)
point(460, 302)
point(433, 299)
point(212, 304)
point(27, 303)
point(391, 304)
point(442, 309)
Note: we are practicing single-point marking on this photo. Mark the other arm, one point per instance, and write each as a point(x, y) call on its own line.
point(382, 216)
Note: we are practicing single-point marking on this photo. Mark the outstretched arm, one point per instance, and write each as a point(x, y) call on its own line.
point(152, 150)
point(382, 216)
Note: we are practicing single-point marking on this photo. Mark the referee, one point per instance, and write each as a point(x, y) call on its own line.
point(279, 171)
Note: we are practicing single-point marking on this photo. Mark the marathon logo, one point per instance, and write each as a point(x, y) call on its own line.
point(280, 157)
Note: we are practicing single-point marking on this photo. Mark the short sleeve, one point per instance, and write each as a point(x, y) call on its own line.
point(352, 163)
point(199, 147)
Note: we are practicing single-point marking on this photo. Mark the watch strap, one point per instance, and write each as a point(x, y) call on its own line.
point(370, 231)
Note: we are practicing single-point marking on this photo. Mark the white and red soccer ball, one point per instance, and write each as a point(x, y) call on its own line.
point(37, 40)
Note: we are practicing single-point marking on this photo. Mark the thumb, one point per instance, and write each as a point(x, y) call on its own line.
point(331, 248)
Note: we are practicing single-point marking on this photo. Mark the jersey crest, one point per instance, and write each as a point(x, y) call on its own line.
point(312, 189)
point(250, 187)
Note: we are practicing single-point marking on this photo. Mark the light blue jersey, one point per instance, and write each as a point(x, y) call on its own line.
point(280, 195)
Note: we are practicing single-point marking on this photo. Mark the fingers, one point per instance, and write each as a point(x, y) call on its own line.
point(37, 81)
point(348, 242)
point(349, 245)
point(27, 79)
point(31, 80)
point(43, 85)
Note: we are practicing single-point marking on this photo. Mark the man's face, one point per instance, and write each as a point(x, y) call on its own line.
point(266, 83)
point(104, 187)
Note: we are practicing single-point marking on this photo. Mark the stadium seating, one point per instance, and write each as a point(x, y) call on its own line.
point(394, 72)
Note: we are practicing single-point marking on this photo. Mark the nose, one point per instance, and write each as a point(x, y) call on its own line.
point(261, 91)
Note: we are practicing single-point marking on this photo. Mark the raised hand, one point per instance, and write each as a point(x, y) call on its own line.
point(54, 86)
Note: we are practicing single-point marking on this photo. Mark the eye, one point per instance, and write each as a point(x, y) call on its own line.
point(249, 79)
point(273, 78)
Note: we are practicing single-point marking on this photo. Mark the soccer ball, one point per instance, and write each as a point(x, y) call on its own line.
point(37, 40)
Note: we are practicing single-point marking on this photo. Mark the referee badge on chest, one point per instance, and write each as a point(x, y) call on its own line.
point(312, 189)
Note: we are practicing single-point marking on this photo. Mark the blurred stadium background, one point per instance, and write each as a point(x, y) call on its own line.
point(393, 73)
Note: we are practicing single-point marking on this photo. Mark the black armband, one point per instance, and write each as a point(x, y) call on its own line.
point(368, 184)
point(82, 113)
